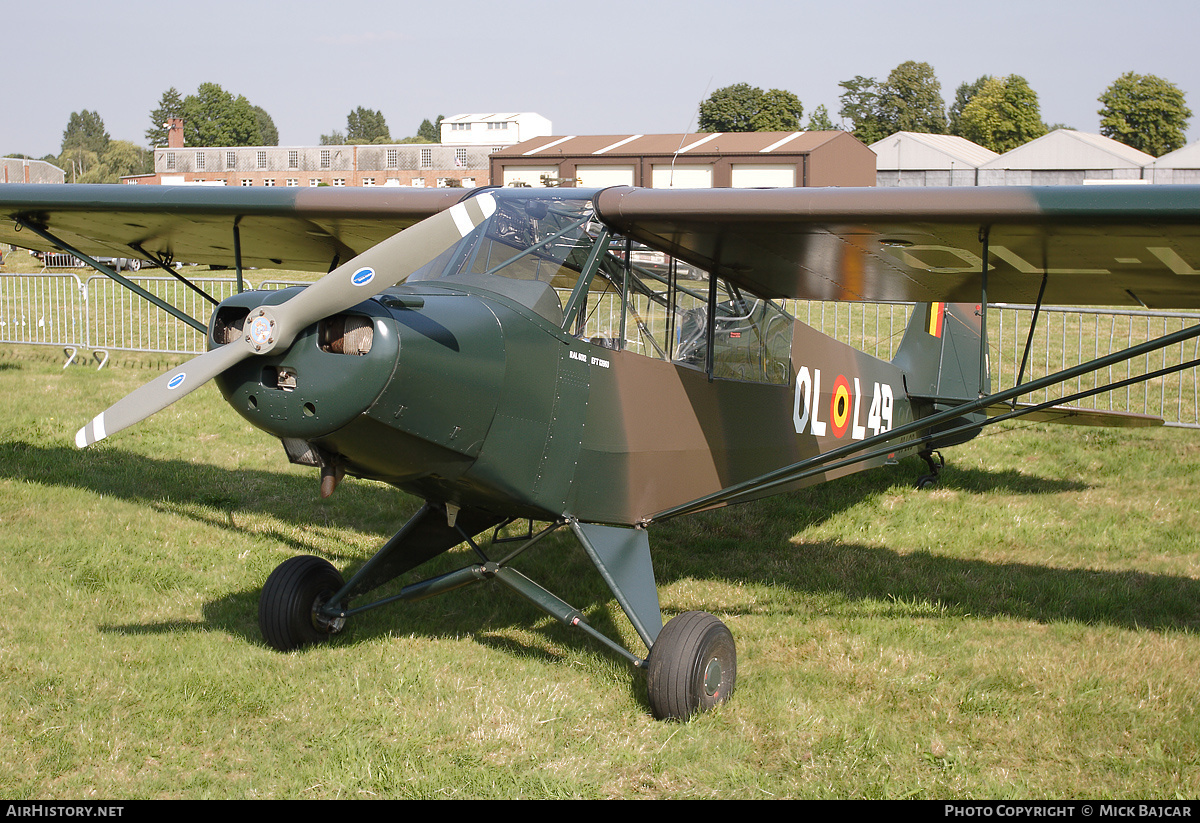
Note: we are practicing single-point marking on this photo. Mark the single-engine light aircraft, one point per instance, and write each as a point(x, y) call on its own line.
point(605, 360)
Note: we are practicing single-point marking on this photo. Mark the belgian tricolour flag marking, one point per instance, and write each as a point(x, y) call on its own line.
point(937, 312)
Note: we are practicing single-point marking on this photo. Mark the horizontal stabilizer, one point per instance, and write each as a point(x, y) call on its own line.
point(1072, 416)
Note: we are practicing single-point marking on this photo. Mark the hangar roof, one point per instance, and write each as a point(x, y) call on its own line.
point(1186, 158)
point(906, 150)
point(1068, 149)
point(718, 143)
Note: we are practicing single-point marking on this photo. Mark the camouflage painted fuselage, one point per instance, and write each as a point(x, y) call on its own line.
point(471, 398)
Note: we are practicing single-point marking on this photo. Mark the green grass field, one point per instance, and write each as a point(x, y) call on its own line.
point(1028, 630)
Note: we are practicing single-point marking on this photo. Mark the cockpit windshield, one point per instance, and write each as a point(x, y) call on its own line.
point(546, 250)
point(538, 245)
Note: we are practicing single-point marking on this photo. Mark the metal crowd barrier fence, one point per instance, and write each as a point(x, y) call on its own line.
point(98, 314)
point(119, 319)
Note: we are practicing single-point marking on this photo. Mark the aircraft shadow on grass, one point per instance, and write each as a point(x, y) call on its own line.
point(951, 586)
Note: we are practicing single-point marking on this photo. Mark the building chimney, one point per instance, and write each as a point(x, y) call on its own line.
point(175, 133)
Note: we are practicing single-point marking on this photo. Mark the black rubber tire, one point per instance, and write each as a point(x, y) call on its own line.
point(286, 607)
point(692, 666)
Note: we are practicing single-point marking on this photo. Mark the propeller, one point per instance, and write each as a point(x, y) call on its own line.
point(275, 327)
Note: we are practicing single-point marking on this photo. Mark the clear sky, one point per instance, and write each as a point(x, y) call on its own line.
point(608, 67)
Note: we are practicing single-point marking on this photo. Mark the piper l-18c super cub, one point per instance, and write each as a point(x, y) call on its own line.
point(604, 360)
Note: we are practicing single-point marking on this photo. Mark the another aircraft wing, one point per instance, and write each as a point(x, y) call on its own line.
point(294, 228)
point(1111, 245)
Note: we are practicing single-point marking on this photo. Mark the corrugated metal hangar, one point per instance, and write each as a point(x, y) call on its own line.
point(1061, 158)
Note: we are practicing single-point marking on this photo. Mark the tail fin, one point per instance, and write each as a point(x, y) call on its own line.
point(944, 358)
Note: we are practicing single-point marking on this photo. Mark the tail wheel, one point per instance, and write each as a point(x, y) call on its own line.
point(692, 666)
point(287, 608)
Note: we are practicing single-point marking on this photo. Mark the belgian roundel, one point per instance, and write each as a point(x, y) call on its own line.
point(840, 405)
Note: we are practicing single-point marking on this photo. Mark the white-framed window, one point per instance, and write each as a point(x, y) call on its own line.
point(270, 182)
point(199, 161)
point(293, 159)
point(339, 181)
point(418, 182)
point(468, 182)
point(326, 158)
point(231, 159)
point(261, 158)
point(368, 181)
point(314, 182)
point(460, 158)
point(460, 127)
point(292, 181)
point(247, 182)
point(495, 126)
point(393, 158)
point(170, 160)
point(426, 159)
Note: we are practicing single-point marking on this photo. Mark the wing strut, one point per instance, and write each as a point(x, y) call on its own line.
point(1037, 309)
point(164, 263)
point(794, 472)
point(100, 267)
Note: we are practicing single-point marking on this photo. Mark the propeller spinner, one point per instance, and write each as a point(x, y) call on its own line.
point(275, 327)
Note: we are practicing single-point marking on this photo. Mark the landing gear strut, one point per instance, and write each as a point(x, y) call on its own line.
point(936, 463)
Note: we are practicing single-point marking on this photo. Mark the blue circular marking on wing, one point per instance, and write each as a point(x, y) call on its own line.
point(177, 381)
point(363, 276)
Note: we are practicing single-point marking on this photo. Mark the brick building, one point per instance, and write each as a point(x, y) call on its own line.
point(461, 160)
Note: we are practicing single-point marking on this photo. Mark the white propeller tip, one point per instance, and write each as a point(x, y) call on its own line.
point(82, 440)
point(487, 204)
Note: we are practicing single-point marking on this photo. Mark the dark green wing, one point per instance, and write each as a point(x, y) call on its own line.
point(294, 228)
point(1097, 245)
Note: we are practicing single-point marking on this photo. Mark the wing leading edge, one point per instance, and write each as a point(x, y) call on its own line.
point(1095, 245)
point(296, 228)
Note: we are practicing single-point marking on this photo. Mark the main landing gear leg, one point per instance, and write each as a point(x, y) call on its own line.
point(936, 463)
point(691, 665)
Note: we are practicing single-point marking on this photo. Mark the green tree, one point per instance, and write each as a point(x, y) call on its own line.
point(860, 105)
point(742, 107)
point(1146, 112)
point(431, 132)
point(778, 111)
point(84, 140)
point(911, 100)
point(364, 126)
point(334, 138)
point(266, 127)
point(120, 158)
point(169, 105)
point(85, 130)
point(214, 117)
point(819, 120)
point(1003, 114)
point(962, 97)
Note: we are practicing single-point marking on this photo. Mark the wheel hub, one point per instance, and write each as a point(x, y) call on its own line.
point(323, 622)
point(712, 677)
